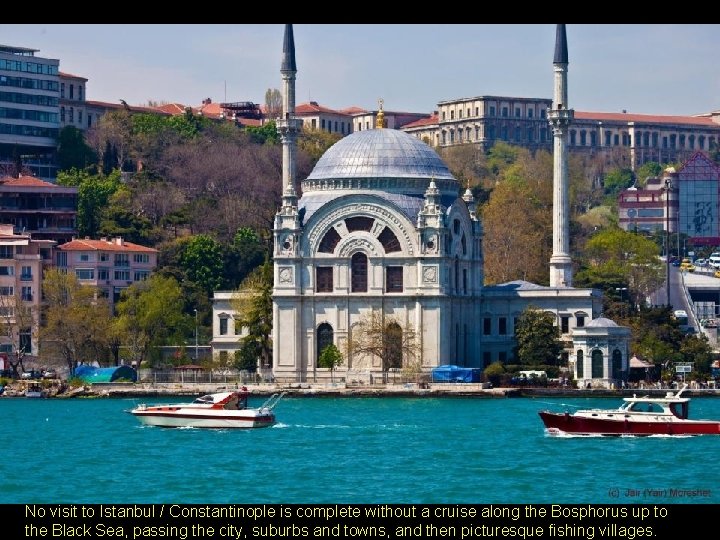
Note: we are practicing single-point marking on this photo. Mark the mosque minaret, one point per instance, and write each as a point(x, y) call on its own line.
point(560, 117)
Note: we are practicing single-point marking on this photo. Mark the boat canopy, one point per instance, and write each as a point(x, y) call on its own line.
point(90, 374)
point(450, 373)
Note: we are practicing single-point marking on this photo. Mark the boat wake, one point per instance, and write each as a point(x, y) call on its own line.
point(551, 432)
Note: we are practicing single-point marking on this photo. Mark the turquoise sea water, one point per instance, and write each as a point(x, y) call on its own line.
point(346, 450)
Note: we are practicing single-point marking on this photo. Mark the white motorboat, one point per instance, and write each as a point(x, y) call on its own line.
point(219, 410)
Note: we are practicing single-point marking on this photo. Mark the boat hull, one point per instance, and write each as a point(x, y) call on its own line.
point(581, 425)
point(244, 419)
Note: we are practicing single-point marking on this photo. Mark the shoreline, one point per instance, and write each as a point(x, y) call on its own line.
point(159, 390)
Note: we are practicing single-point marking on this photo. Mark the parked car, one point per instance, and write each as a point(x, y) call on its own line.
point(32, 374)
point(700, 262)
point(49, 374)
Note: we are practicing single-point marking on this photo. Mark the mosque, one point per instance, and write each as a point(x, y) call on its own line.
point(383, 229)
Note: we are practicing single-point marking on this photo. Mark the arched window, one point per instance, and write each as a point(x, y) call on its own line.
point(597, 364)
point(358, 269)
point(616, 364)
point(389, 241)
point(580, 364)
point(324, 338)
point(393, 346)
point(329, 241)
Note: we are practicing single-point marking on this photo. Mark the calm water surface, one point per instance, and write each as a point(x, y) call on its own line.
point(345, 450)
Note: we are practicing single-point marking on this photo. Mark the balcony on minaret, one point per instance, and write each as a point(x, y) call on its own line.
point(289, 124)
point(560, 115)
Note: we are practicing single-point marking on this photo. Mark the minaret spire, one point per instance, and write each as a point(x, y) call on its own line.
point(560, 117)
point(288, 126)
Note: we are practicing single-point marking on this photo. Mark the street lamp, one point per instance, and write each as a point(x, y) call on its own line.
point(621, 290)
point(196, 337)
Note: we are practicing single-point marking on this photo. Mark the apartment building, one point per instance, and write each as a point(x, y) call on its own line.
point(34, 206)
point(22, 260)
point(29, 111)
point(110, 264)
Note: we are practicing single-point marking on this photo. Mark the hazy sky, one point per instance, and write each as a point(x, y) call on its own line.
point(655, 69)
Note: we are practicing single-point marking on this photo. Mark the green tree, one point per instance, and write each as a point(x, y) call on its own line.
point(73, 151)
point(202, 260)
point(538, 338)
point(614, 257)
point(265, 134)
point(150, 314)
point(94, 192)
point(316, 141)
point(252, 303)
point(77, 321)
point(330, 357)
point(617, 180)
point(244, 254)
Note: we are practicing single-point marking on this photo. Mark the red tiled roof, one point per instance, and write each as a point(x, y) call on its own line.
point(71, 76)
point(103, 245)
point(313, 108)
point(25, 181)
point(645, 118)
point(134, 108)
point(250, 122)
point(430, 120)
point(172, 108)
point(353, 110)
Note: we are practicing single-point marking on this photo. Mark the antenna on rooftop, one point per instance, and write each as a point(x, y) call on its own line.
point(225, 100)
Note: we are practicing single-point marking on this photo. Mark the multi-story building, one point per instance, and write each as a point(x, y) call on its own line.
point(684, 201)
point(22, 259)
point(110, 264)
point(391, 119)
point(315, 116)
point(483, 120)
point(72, 102)
point(29, 111)
point(226, 333)
point(45, 210)
point(633, 139)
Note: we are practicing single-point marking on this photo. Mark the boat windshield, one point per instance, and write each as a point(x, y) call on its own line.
point(204, 399)
point(644, 406)
point(680, 409)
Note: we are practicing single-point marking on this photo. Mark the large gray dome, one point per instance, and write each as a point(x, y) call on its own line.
point(380, 153)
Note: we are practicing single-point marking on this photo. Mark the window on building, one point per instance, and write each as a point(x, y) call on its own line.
point(80, 93)
point(103, 274)
point(452, 136)
point(359, 273)
point(564, 324)
point(583, 137)
point(487, 358)
point(72, 91)
point(141, 258)
point(572, 137)
point(7, 291)
point(452, 115)
point(616, 139)
point(27, 294)
point(492, 110)
point(359, 223)
point(502, 326)
point(393, 345)
point(460, 113)
point(464, 280)
point(580, 321)
point(324, 338)
point(62, 90)
point(518, 134)
point(608, 138)
point(542, 113)
point(71, 115)
point(443, 116)
point(597, 364)
point(85, 273)
point(122, 259)
point(25, 340)
point(530, 112)
point(394, 279)
point(487, 326)
point(79, 117)
point(593, 139)
point(580, 364)
point(7, 270)
point(530, 135)
point(324, 279)
point(122, 275)
point(62, 114)
point(313, 123)
point(517, 112)
point(389, 241)
point(329, 241)
point(141, 275)
point(223, 330)
point(505, 111)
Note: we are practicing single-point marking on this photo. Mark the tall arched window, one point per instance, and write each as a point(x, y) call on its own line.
point(616, 364)
point(597, 364)
point(393, 346)
point(358, 269)
point(324, 337)
point(580, 364)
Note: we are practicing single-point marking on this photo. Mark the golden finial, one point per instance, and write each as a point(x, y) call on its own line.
point(380, 120)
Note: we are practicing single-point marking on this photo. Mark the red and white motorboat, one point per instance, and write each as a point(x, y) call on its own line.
point(638, 416)
point(220, 410)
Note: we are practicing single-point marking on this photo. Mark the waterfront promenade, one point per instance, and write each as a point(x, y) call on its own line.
point(341, 389)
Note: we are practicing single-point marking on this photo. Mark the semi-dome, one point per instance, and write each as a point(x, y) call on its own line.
point(391, 159)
